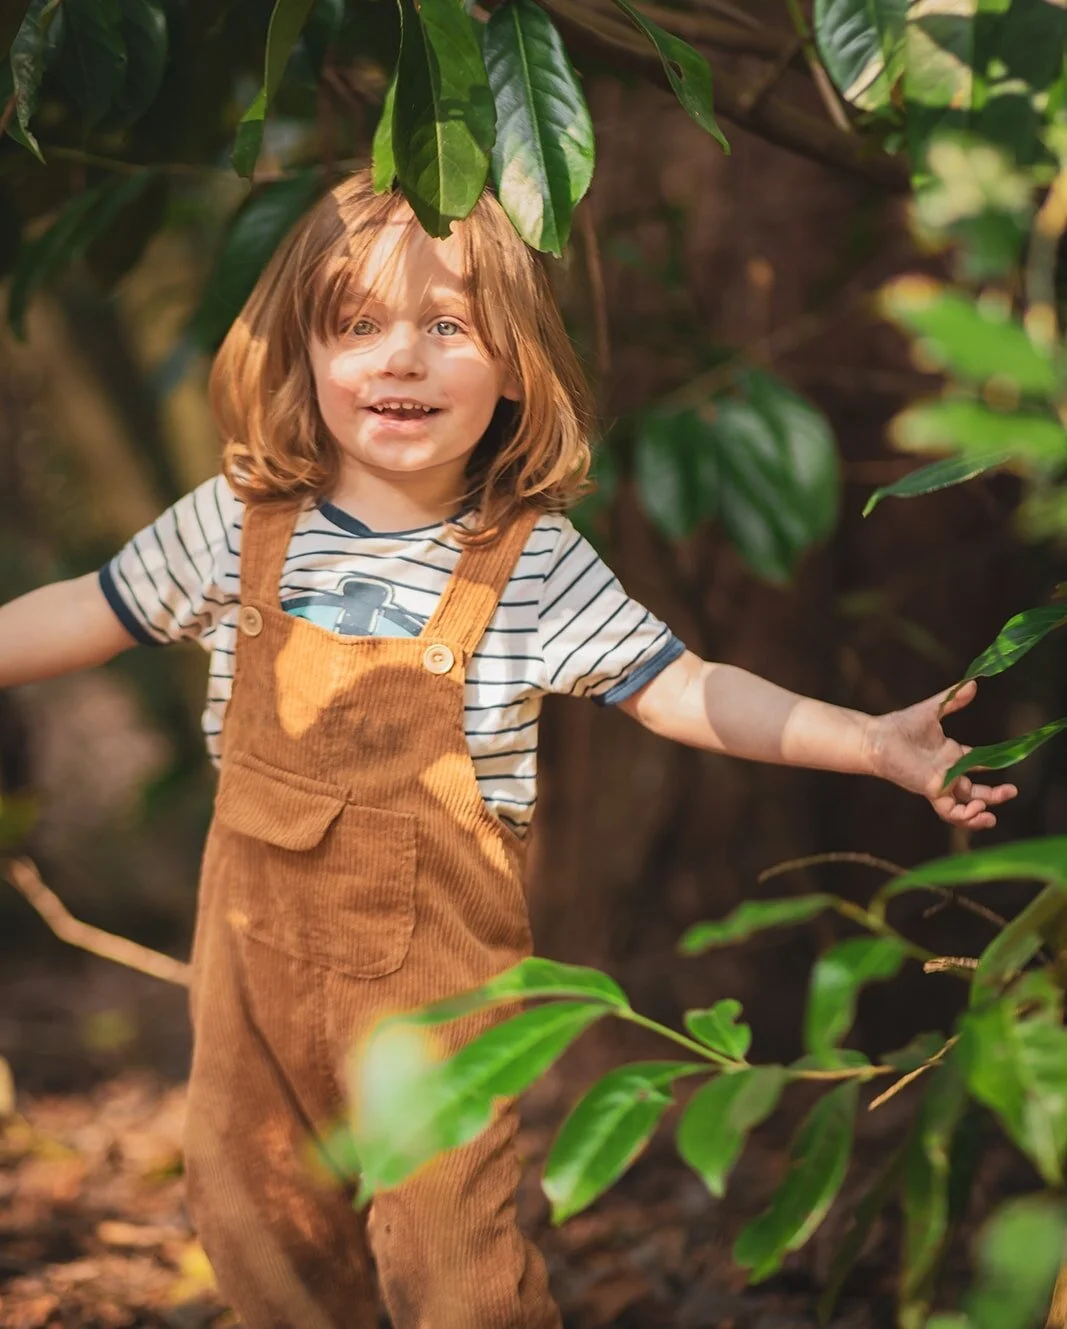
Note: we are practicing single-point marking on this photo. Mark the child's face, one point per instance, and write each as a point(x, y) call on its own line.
point(408, 349)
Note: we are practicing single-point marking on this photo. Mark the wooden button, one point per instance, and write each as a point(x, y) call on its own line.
point(438, 659)
point(250, 620)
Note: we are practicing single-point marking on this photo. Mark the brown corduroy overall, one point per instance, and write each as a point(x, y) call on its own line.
point(352, 869)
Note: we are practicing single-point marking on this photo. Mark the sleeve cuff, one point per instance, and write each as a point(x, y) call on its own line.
point(121, 609)
point(645, 673)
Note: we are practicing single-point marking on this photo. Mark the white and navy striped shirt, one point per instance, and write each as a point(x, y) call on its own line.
point(563, 624)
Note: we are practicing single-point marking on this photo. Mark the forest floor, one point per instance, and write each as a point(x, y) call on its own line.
point(94, 1233)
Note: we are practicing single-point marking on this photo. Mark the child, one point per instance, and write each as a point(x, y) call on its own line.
point(387, 587)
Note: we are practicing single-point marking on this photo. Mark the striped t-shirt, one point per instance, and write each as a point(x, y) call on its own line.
point(563, 624)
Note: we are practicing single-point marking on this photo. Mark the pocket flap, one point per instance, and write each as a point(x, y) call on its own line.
point(283, 808)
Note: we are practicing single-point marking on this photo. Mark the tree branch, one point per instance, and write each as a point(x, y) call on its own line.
point(586, 27)
point(25, 878)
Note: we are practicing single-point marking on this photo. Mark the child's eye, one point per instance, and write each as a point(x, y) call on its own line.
point(362, 327)
point(447, 327)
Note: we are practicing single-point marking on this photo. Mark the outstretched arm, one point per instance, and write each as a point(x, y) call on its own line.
point(57, 629)
point(725, 709)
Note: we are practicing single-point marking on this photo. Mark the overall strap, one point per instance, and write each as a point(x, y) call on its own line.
point(470, 599)
point(268, 528)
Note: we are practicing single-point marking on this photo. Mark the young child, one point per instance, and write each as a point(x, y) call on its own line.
point(387, 587)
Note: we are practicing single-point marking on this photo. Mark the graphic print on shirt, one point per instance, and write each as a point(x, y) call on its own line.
point(362, 607)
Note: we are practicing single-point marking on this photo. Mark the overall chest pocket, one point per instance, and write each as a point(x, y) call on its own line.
point(319, 877)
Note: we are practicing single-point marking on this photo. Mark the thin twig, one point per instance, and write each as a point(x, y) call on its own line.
point(25, 878)
point(823, 85)
point(1049, 225)
point(949, 898)
point(753, 98)
point(951, 964)
point(595, 271)
point(841, 856)
point(911, 1075)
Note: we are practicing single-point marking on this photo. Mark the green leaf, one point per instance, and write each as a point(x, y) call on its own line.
point(915, 1053)
point(818, 1159)
point(719, 1116)
point(1043, 859)
point(1018, 635)
point(144, 32)
point(532, 977)
point(977, 432)
point(718, 1028)
point(864, 1216)
point(926, 1177)
point(605, 1132)
point(383, 167)
point(1020, 1250)
point(84, 219)
point(544, 151)
point(412, 1108)
point(255, 233)
point(286, 23)
point(777, 475)
point(861, 44)
point(997, 756)
point(1017, 1066)
point(1016, 944)
point(836, 980)
point(444, 121)
point(977, 341)
point(687, 72)
point(750, 917)
point(27, 64)
point(676, 472)
point(93, 59)
point(938, 475)
point(831, 1059)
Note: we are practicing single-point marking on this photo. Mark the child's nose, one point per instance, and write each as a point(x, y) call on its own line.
point(401, 353)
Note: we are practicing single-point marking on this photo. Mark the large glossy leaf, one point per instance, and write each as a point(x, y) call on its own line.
point(818, 1159)
point(28, 62)
point(750, 917)
point(605, 1132)
point(719, 1116)
point(84, 219)
point(1044, 859)
point(926, 1178)
point(861, 43)
point(976, 341)
point(255, 233)
point(718, 1028)
point(93, 59)
point(1020, 1251)
point(383, 165)
point(532, 977)
point(836, 980)
point(1019, 635)
point(444, 120)
point(939, 475)
point(1033, 439)
point(1017, 1065)
point(544, 151)
point(998, 756)
point(412, 1108)
point(687, 72)
point(144, 32)
point(286, 22)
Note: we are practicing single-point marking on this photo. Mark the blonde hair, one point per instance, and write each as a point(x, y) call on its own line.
point(275, 444)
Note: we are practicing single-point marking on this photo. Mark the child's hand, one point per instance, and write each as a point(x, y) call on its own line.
point(910, 748)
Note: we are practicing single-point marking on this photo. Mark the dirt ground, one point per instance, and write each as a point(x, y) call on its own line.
point(94, 1234)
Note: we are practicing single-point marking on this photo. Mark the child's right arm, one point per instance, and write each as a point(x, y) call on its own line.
point(57, 629)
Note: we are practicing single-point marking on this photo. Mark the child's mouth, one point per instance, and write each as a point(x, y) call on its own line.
point(400, 410)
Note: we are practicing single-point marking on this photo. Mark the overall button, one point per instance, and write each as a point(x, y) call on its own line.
point(438, 659)
point(250, 620)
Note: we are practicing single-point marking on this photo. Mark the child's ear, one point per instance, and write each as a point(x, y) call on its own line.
point(511, 389)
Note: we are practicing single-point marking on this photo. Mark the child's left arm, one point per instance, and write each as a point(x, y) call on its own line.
point(726, 709)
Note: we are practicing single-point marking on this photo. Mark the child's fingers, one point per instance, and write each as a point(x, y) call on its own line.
point(998, 793)
point(965, 694)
